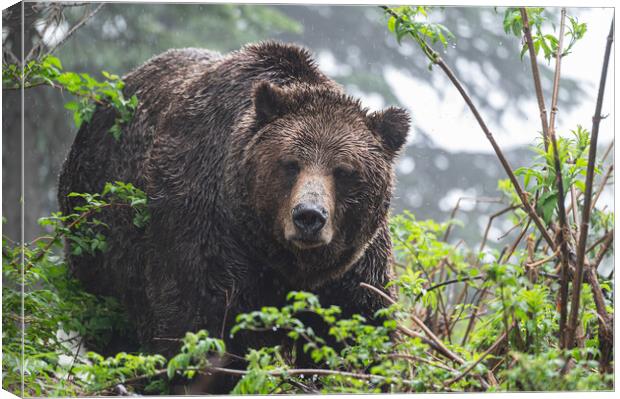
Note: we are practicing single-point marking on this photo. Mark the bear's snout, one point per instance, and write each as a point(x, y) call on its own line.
point(309, 219)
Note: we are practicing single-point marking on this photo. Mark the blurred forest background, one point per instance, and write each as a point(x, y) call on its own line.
point(447, 156)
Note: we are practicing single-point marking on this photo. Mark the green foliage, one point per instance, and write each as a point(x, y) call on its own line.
point(543, 372)
point(412, 22)
point(195, 353)
point(539, 179)
point(350, 346)
point(99, 374)
point(89, 92)
point(513, 23)
point(53, 301)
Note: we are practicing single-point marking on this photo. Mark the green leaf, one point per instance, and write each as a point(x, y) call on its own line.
point(53, 61)
point(72, 106)
point(546, 205)
point(581, 186)
point(391, 24)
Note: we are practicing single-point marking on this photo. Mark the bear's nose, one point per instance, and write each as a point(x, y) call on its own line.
point(309, 218)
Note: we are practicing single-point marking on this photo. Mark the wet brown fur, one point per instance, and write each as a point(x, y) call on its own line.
point(207, 145)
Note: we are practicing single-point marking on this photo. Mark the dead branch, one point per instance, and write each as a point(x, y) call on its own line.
point(585, 216)
point(491, 219)
point(75, 27)
point(536, 75)
point(599, 241)
point(601, 186)
point(605, 320)
point(608, 150)
point(448, 282)
point(542, 261)
point(608, 239)
point(488, 200)
point(516, 243)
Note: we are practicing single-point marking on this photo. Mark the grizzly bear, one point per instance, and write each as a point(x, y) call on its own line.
point(262, 177)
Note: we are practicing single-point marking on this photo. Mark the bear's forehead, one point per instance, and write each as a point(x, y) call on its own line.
point(329, 132)
point(328, 145)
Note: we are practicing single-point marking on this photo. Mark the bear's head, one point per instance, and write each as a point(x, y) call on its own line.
point(319, 176)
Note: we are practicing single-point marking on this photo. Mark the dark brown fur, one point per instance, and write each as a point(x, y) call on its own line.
point(207, 144)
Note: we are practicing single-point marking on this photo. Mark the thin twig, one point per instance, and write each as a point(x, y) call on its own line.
point(422, 360)
point(536, 75)
point(608, 150)
point(451, 355)
point(75, 356)
point(601, 186)
point(585, 216)
point(600, 240)
point(605, 245)
point(486, 353)
point(513, 228)
point(573, 206)
point(75, 27)
point(448, 282)
point(516, 243)
point(542, 261)
point(452, 215)
point(491, 219)
point(472, 321)
point(488, 200)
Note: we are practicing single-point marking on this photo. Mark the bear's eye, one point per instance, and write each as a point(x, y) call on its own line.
point(345, 173)
point(289, 166)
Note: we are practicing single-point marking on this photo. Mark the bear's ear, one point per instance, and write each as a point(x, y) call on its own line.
point(392, 126)
point(270, 102)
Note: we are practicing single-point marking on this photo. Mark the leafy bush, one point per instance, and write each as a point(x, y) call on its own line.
point(54, 315)
point(90, 93)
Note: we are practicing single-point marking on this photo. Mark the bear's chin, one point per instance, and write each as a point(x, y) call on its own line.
point(305, 245)
point(317, 267)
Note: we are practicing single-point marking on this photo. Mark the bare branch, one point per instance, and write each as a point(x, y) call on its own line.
point(75, 27)
point(608, 150)
point(600, 241)
point(542, 261)
point(601, 187)
point(491, 218)
point(536, 74)
point(605, 334)
point(516, 243)
point(476, 200)
point(585, 216)
point(605, 245)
